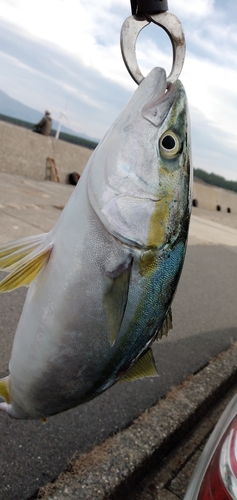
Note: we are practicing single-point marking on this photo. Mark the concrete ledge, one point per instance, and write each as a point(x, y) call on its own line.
point(111, 469)
point(24, 153)
point(211, 197)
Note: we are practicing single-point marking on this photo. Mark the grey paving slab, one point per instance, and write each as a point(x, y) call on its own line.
point(114, 468)
point(29, 207)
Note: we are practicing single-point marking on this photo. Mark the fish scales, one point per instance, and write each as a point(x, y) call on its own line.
point(102, 281)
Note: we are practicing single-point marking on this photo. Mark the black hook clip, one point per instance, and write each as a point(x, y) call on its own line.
point(141, 7)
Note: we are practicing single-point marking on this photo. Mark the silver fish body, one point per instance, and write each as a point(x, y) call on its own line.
point(111, 264)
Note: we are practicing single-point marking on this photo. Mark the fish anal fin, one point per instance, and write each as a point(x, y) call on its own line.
point(4, 389)
point(115, 301)
point(25, 262)
point(165, 327)
point(144, 367)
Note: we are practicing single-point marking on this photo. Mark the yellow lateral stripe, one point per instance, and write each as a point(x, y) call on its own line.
point(25, 274)
point(158, 222)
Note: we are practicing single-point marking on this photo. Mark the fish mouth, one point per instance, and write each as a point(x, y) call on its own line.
point(143, 195)
point(152, 93)
point(161, 99)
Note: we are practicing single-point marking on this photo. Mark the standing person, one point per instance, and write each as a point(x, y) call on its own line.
point(45, 125)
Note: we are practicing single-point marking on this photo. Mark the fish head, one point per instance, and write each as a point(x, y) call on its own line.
point(140, 176)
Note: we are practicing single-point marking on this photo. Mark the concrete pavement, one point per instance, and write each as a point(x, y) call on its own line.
point(29, 207)
point(154, 457)
point(204, 231)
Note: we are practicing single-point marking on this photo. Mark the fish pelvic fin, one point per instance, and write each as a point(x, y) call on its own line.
point(165, 327)
point(144, 367)
point(115, 301)
point(23, 259)
point(5, 389)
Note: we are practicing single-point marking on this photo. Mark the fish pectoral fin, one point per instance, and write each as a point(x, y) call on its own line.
point(23, 259)
point(144, 367)
point(165, 327)
point(13, 251)
point(4, 389)
point(115, 301)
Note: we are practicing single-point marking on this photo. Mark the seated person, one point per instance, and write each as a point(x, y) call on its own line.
point(45, 125)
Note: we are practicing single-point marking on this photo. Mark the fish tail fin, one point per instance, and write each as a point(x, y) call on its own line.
point(4, 407)
point(23, 259)
point(5, 390)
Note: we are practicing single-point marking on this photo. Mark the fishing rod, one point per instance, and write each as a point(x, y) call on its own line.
point(145, 12)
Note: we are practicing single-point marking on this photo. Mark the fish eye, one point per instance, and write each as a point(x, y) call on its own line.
point(169, 144)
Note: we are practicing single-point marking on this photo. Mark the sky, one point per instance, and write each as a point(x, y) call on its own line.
point(64, 55)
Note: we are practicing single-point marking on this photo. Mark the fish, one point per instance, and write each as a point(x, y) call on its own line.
point(101, 282)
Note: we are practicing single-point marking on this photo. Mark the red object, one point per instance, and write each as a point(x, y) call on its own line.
point(222, 469)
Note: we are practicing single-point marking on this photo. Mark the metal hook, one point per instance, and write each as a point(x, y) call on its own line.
point(130, 31)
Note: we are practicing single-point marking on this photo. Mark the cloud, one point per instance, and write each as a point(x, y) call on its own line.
point(211, 147)
point(48, 77)
point(194, 9)
point(69, 49)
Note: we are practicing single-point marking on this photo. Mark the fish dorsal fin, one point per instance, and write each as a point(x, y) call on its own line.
point(144, 367)
point(115, 301)
point(4, 389)
point(165, 327)
point(23, 259)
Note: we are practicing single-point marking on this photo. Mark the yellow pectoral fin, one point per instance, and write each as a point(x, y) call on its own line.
point(4, 389)
point(14, 251)
point(144, 367)
point(24, 262)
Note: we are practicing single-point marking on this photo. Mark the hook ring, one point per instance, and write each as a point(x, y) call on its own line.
point(130, 31)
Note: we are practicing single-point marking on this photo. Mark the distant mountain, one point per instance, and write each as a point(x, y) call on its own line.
point(16, 109)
